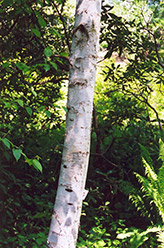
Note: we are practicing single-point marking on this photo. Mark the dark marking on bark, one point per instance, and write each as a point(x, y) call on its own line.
point(54, 242)
point(69, 190)
point(65, 209)
point(70, 204)
point(73, 231)
point(68, 222)
point(78, 82)
point(79, 3)
point(72, 108)
point(64, 166)
point(83, 30)
point(78, 63)
point(73, 197)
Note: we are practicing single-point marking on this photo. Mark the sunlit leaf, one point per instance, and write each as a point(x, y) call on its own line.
point(64, 54)
point(7, 104)
point(59, 1)
point(161, 150)
point(29, 110)
point(37, 165)
point(54, 31)
point(20, 102)
point(65, 109)
point(33, 92)
point(48, 113)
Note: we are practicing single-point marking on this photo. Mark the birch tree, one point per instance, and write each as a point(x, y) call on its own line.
point(70, 193)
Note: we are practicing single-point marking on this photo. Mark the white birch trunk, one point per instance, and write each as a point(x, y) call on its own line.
point(67, 209)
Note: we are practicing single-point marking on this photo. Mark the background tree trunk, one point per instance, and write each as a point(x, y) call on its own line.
point(67, 209)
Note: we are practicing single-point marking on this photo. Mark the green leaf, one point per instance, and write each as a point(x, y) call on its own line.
point(161, 150)
point(124, 235)
point(6, 64)
point(20, 102)
point(48, 113)
point(39, 215)
point(46, 67)
point(22, 66)
point(36, 32)
point(19, 65)
point(29, 110)
point(59, 1)
point(17, 153)
point(48, 52)
point(7, 104)
point(145, 154)
point(54, 31)
point(40, 19)
point(6, 142)
point(64, 54)
point(65, 109)
point(27, 160)
point(42, 22)
point(40, 2)
point(7, 3)
point(27, 9)
point(15, 106)
point(37, 165)
point(33, 92)
point(54, 65)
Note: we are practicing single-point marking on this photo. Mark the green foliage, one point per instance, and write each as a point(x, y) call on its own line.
point(35, 43)
point(32, 78)
point(138, 237)
point(98, 236)
point(152, 188)
point(160, 236)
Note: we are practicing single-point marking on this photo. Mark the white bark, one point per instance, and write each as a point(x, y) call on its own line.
point(66, 215)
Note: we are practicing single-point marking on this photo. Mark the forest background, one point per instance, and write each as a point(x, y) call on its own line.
point(124, 207)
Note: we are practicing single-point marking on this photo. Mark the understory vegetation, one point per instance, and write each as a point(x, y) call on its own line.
point(125, 205)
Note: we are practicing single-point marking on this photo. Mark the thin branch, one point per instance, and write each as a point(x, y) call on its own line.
point(150, 106)
point(101, 155)
point(64, 26)
point(54, 81)
point(156, 49)
point(97, 130)
point(109, 146)
point(12, 26)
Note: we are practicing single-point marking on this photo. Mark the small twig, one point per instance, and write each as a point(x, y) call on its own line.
point(64, 26)
point(101, 155)
point(156, 47)
point(97, 130)
point(150, 106)
point(101, 60)
point(54, 81)
point(109, 146)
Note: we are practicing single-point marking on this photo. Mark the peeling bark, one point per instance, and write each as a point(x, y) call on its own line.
point(67, 209)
